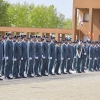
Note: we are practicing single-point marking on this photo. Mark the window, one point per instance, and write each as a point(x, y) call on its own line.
point(86, 17)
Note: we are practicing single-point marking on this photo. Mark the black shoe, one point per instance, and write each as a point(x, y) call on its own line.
point(15, 78)
point(72, 69)
point(78, 72)
point(52, 74)
point(44, 75)
point(69, 73)
point(58, 74)
point(90, 70)
point(8, 78)
point(38, 76)
point(82, 71)
point(63, 73)
point(23, 77)
point(1, 79)
point(30, 76)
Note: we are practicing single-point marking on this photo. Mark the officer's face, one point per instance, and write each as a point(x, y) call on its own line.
point(25, 38)
point(18, 39)
point(34, 39)
point(14, 39)
point(39, 39)
point(10, 36)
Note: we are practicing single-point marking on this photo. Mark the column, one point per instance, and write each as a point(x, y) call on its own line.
point(74, 24)
point(17, 33)
point(41, 34)
point(3, 33)
point(57, 37)
point(63, 36)
point(91, 21)
point(48, 34)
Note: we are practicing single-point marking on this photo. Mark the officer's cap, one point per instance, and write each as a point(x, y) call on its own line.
point(8, 33)
point(52, 37)
point(38, 36)
point(17, 36)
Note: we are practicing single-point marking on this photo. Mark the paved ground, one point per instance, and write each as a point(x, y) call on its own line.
point(64, 87)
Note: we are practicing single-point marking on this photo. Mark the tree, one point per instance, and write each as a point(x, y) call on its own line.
point(40, 16)
point(3, 13)
point(68, 23)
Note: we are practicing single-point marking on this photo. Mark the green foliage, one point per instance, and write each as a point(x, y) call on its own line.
point(68, 23)
point(3, 13)
point(29, 15)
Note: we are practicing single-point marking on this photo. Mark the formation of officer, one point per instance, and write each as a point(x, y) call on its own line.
point(22, 56)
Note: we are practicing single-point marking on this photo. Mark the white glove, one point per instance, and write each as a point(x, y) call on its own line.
point(14, 59)
point(68, 58)
point(55, 59)
point(21, 58)
point(30, 58)
point(84, 53)
point(74, 57)
point(43, 57)
point(62, 58)
point(90, 58)
point(36, 57)
point(50, 57)
point(95, 58)
point(6, 58)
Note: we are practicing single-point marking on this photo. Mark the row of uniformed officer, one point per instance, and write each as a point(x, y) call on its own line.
point(36, 56)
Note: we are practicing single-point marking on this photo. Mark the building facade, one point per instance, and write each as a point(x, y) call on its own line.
point(87, 14)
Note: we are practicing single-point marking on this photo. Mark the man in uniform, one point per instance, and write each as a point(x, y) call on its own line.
point(8, 56)
point(91, 56)
point(51, 56)
point(38, 56)
point(70, 56)
point(1, 55)
point(84, 55)
point(95, 60)
point(44, 57)
point(30, 52)
point(64, 56)
point(16, 57)
point(4, 41)
point(78, 57)
point(23, 56)
point(58, 58)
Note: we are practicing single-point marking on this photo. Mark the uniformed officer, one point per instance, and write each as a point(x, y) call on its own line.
point(87, 52)
point(91, 57)
point(1, 55)
point(8, 56)
point(95, 60)
point(23, 56)
point(58, 58)
point(99, 56)
point(74, 59)
point(38, 56)
point(44, 57)
point(51, 56)
point(84, 55)
point(30, 52)
point(70, 56)
point(64, 56)
point(16, 57)
point(78, 57)
point(4, 40)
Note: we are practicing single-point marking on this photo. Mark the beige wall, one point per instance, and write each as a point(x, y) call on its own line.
point(96, 23)
point(86, 3)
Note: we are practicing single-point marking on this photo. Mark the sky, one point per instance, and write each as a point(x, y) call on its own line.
point(63, 6)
